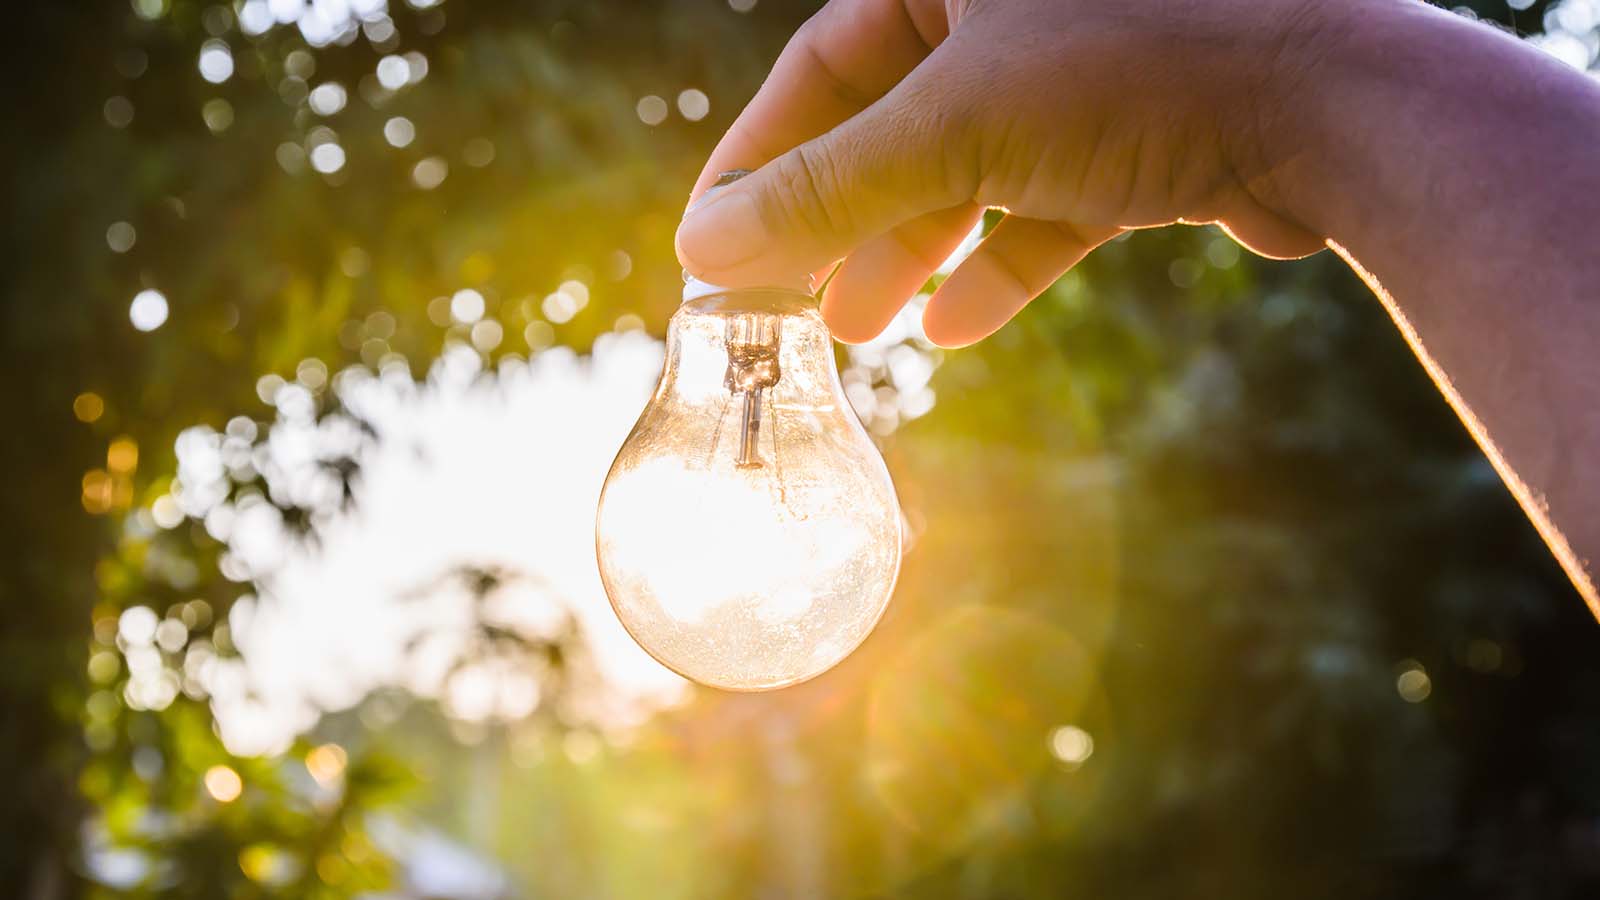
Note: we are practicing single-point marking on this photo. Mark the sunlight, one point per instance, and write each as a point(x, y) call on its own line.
point(495, 472)
point(747, 553)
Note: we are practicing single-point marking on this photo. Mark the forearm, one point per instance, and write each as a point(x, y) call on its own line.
point(1460, 172)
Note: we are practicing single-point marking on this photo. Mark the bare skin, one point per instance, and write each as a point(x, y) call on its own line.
point(1401, 136)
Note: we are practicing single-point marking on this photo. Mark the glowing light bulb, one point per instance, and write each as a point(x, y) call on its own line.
point(748, 534)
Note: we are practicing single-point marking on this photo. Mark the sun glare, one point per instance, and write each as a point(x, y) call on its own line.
point(500, 475)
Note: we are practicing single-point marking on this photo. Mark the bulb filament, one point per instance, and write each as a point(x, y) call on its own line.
point(752, 343)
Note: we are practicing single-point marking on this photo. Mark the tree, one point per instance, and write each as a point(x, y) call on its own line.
point(1203, 559)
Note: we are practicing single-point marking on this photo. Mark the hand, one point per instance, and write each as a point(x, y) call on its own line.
point(1384, 129)
point(888, 126)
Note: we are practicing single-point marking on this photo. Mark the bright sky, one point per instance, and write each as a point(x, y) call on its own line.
point(469, 470)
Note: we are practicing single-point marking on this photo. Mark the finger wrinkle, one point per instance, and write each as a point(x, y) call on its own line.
point(1072, 233)
point(836, 84)
point(935, 30)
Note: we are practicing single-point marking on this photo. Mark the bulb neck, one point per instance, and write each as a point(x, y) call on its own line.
point(695, 289)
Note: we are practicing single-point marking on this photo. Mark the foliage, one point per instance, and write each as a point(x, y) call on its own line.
point(1202, 511)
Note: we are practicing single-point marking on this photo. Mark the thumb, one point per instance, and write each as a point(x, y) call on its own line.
point(890, 163)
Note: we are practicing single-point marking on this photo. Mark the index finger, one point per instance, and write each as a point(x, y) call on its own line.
point(842, 59)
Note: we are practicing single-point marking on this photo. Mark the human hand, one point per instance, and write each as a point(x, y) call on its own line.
point(887, 126)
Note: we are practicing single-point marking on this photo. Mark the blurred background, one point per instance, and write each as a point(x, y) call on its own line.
point(322, 323)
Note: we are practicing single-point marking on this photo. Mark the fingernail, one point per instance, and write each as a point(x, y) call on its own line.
point(723, 180)
point(722, 232)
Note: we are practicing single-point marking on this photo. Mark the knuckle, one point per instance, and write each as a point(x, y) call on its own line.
point(949, 112)
point(805, 190)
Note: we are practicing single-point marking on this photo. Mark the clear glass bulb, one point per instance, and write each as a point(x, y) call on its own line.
point(748, 533)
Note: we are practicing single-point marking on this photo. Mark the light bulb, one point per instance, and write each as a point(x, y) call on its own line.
point(748, 533)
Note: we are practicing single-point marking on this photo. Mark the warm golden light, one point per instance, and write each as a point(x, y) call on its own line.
point(223, 784)
point(122, 456)
point(748, 533)
point(98, 491)
point(326, 764)
point(1071, 745)
point(88, 407)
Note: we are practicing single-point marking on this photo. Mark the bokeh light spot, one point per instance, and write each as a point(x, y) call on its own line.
point(393, 72)
point(299, 63)
point(567, 300)
point(293, 91)
point(103, 667)
point(430, 173)
point(439, 311)
point(216, 61)
point(693, 104)
point(577, 290)
point(487, 334)
point(166, 512)
point(539, 335)
point(267, 387)
point(1222, 252)
point(218, 115)
point(326, 764)
point(171, 635)
point(88, 407)
point(466, 306)
point(327, 158)
point(1184, 272)
point(327, 98)
point(120, 237)
point(559, 308)
point(1413, 683)
point(619, 265)
point(122, 455)
point(418, 66)
point(148, 310)
point(216, 20)
point(149, 10)
point(137, 626)
point(380, 32)
point(399, 131)
point(354, 262)
point(99, 492)
point(652, 110)
point(223, 784)
point(255, 18)
point(291, 157)
point(1071, 745)
point(118, 111)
